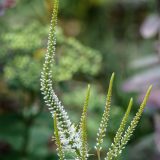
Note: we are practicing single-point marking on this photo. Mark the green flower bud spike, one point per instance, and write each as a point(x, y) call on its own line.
point(105, 118)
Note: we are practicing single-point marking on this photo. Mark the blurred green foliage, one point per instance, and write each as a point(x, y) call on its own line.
point(94, 38)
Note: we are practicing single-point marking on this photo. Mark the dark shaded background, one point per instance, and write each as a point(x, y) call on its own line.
point(95, 38)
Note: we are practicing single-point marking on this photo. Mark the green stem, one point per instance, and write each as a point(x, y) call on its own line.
point(99, 155)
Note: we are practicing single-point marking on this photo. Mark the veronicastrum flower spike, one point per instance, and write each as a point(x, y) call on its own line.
point(74, 139)
point(129, 132)
point(105, 118)
point(66, 128)
point(113, 149)
point(83, 127)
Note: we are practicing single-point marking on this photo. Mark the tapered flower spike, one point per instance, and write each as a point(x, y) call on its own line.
point(57, 139)
point(105, 118)
point(117, 139)
point(66, 128)
point(129, 132)
point(83, 127)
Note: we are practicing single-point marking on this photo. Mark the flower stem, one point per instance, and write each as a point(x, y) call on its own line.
point(99, 155)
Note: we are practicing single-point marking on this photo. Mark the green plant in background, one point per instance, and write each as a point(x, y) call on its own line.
point(21, 57)
point(73, 138)
point(31, 53)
